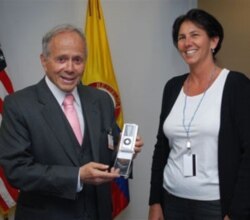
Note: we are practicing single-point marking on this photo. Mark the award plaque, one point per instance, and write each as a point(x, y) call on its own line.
point(126, 149)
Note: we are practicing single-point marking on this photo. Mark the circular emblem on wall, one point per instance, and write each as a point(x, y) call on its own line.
point(113, 94)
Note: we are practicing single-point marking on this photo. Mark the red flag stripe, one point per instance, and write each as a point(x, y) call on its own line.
point(7, 201)
point(6, 81)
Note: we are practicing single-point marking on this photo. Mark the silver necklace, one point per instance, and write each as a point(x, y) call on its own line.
point(188, 126)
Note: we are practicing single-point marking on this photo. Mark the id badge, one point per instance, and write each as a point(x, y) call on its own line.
point(110, 142)
point(189, 165)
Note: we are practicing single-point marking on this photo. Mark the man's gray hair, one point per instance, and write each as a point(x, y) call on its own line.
point(60, 29)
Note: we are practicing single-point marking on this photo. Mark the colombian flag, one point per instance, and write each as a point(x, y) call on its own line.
point(99, 73)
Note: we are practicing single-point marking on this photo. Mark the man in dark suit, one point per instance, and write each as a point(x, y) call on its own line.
point(58, 176)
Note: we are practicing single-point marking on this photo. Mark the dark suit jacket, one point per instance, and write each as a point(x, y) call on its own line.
point(38, 152)
point(233, 145)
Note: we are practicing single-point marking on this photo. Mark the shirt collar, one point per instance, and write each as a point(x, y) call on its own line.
point(59, 94)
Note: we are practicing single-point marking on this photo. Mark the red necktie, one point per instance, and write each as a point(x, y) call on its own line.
point(72, 117)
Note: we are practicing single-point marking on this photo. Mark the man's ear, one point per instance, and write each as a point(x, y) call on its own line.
point(43, 60)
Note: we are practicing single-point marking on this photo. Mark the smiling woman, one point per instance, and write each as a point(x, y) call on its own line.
point(191, 177)
point(194, 44)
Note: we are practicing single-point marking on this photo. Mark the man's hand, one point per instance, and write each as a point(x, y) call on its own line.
point(138, 145)
point(97, 173)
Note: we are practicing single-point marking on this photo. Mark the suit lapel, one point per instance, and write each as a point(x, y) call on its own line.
point(92, 118)
point(56, 120)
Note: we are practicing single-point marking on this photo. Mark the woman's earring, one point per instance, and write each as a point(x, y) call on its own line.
point(212, 49)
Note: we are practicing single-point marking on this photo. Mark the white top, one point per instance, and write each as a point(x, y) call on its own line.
point(204, 143)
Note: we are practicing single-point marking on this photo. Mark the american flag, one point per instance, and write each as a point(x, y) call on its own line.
point(8, 194)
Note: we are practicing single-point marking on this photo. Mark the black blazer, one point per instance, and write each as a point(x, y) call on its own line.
point(38, 152)
point(233, 145)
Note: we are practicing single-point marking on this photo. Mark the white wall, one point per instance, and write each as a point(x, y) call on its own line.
point(144, 59)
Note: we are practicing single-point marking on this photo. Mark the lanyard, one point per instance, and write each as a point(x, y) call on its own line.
point(188, 126)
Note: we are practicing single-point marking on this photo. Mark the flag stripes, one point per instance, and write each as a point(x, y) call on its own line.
point(8, 194)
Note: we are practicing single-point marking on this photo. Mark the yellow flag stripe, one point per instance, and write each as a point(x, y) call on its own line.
point(99, 71)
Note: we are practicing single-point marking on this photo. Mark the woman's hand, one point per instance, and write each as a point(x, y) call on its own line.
point(155, 212)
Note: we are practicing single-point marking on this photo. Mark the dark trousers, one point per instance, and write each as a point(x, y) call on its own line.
point(176, 208)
